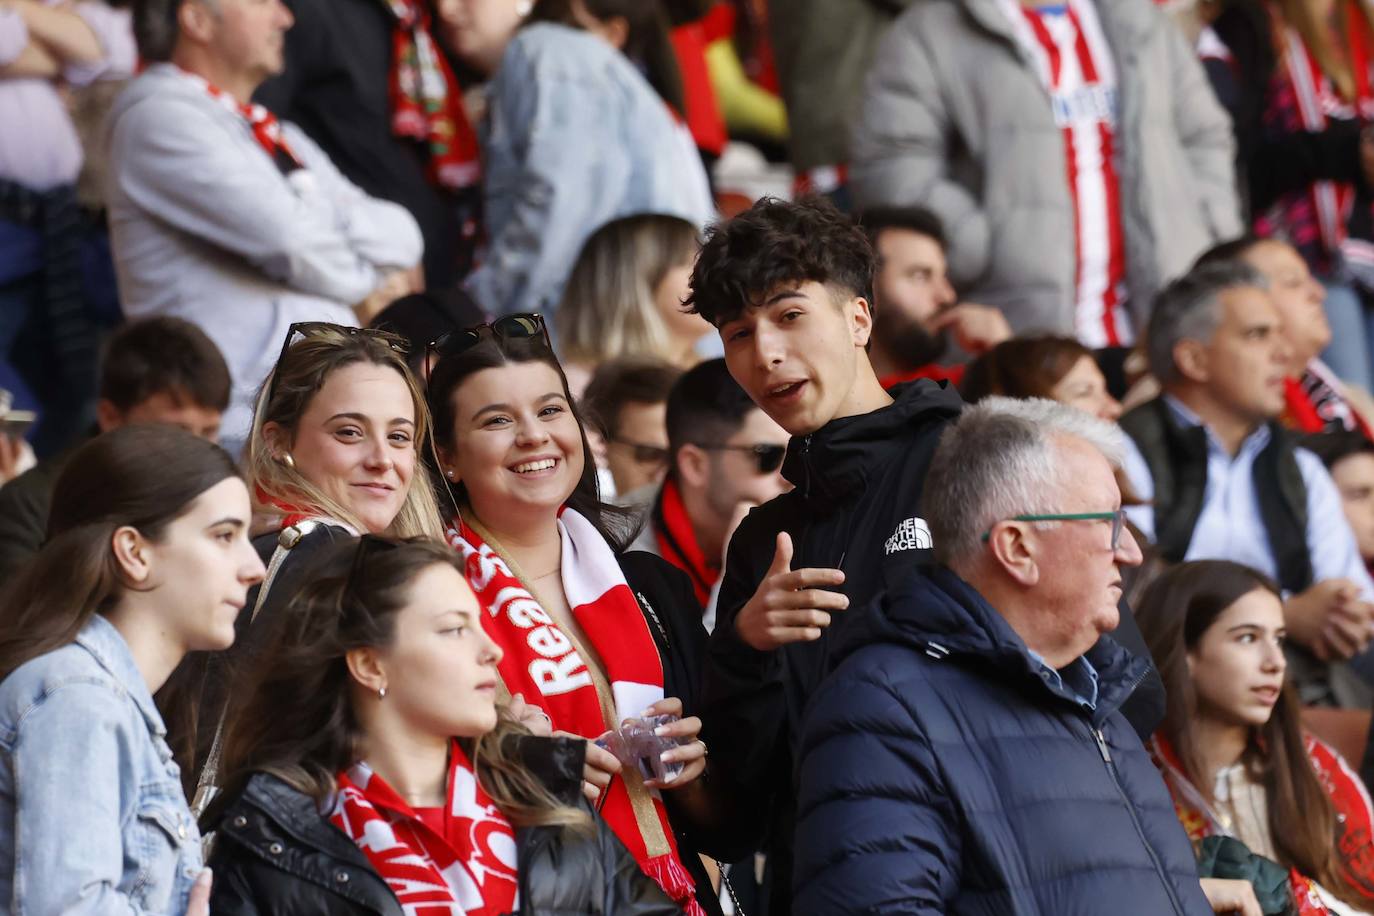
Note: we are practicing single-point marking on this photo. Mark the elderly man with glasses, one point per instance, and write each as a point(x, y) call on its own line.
point(968, 754)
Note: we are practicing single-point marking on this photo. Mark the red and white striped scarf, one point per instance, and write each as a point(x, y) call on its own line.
point(264, 125)
point(541, 662)
point(467, 869)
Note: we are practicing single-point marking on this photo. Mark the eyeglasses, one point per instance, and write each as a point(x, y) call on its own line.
point(308, 329)
point(642, 452)
point(1117, 518)
point(520, 326)
point(767, 457)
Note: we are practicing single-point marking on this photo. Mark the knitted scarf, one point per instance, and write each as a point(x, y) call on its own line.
point(677, 542)
point(544, 663)
point(1347, 794)
point(1315, 403)
point(426, 102)
point(264, 125)
point(467, 869)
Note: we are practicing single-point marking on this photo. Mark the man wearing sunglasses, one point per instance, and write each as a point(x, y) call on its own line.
point(724, 458)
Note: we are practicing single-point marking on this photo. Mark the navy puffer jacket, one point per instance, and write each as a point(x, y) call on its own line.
point(942, 773)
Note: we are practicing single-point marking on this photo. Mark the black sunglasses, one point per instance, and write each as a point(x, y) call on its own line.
point(307, 329)
point(520, 326)
point(767, 457)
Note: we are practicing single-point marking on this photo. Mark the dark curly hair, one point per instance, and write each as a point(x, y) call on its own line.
point(773, 243)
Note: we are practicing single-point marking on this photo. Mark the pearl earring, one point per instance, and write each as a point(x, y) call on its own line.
point(381, 693)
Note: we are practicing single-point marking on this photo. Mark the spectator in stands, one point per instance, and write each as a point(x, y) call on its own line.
point(1300, 100)
point(335, 453)
point(1227, 482)
point(1073, 151)
point(821, 98)
point(968, 754)
point(626, 403)
point(724, 457)
point(149, 560)
point(574, 137)
point(621, 637)
point(1316, 398)
point(375, 716)
point(226, 217)
point(624, 297)
point(1232, 748)
point(420, 319)
point(155, 370)
point(366, 80)
point(1350, 459)
point(916, 311)
point(1058, 368)
point(47, 331)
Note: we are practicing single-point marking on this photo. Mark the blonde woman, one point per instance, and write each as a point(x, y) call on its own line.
point(624, 297)
point(334, 453)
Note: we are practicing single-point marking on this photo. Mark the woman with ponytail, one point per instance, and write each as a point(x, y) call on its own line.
point(147, 559)
point(373, 771)
point(1232, 749)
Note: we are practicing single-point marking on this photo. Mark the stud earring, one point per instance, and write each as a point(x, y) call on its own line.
point(524, 8)
point(449, 473)
point(381, 693)
point(287, 461)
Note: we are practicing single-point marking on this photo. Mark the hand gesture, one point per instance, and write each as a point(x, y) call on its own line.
point(975, 328)
point(789, 605)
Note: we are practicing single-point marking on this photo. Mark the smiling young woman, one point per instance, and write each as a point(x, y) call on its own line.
point(1231, 749)
point(335, 446)
point(592, 634)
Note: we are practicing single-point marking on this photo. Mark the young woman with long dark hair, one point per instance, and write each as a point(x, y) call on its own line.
point(147, 559)
point(592, 635)
point(373, 771)
point(1232, 749)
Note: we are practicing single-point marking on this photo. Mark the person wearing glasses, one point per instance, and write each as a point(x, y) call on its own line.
point(1223, 480)
point(334, 453)
point(148, 559)
point(624, 405)
point(592, 634)
point(968, 753)
point(725, 459)
point(374, 770)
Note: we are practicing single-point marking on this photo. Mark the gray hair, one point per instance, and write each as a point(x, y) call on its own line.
point(1188, 309)
point(999, 460)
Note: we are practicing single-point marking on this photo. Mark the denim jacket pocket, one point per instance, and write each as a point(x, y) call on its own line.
point(167, 842)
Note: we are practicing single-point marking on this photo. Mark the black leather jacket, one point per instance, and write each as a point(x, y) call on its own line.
point(275, 854)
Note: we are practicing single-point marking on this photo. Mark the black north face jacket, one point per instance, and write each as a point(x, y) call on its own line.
point(856, 507)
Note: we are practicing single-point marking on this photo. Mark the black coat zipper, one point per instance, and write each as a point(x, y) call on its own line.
point(1101, 741)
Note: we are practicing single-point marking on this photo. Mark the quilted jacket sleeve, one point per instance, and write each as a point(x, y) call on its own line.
point(875, 830)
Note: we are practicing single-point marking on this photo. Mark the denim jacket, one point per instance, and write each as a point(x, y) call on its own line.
point(574, 138)
point(92, 816)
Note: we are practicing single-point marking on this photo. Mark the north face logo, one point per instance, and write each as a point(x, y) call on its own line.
point(911, 534)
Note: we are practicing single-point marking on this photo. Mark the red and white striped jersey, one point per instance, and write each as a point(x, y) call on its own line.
point(1074, 62)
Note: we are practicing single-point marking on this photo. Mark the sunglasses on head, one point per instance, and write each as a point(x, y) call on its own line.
point(303, 330)
point(520, 326)
point(767, 457)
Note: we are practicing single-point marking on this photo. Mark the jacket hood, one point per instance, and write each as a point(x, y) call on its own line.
point(833, 462)
point(937, 613)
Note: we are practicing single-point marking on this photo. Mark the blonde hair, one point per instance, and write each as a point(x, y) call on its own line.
point(285, 396)
point(608, 308)
point(1332, 56)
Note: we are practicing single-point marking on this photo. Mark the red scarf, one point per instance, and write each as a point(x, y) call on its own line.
point(1348, 797)
point(466, 869)
point(264, 125)
point(543, 663)
point(1314, 403)
point(426, 101)
point(677, 542)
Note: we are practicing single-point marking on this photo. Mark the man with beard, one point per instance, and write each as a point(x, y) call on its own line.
point(917, 310)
